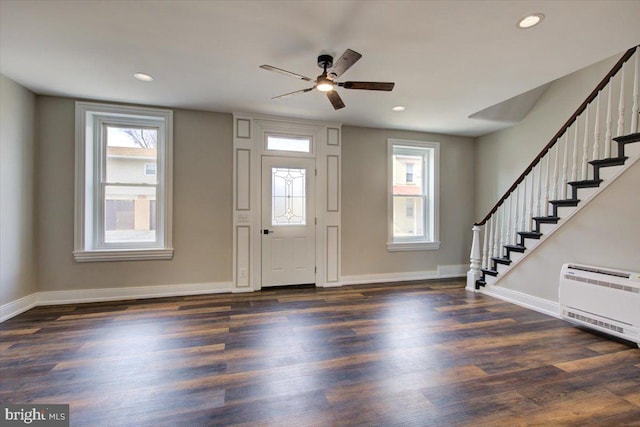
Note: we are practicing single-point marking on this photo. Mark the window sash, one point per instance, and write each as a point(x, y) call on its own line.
point(99, 232)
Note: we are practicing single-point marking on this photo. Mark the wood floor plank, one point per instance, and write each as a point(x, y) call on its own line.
point(392, 354)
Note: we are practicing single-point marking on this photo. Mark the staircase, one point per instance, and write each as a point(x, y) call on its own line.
point(576, 164)
point(499, 264)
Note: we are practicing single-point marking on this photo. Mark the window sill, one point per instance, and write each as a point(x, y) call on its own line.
point(123, 255)
point(412, 246)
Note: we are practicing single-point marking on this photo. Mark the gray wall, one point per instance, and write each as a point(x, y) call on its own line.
point(201, 205)
point(502, 156)
point(17, 192)
point(364, 203)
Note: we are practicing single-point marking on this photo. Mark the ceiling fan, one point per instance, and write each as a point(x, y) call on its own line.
point(325, 82)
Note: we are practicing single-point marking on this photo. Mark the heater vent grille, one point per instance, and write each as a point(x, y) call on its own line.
point(594, 322)
point(616, 286)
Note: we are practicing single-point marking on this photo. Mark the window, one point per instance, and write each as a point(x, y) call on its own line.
point(150, 169)
point(123, 183)
point(410, 206)
point(300, 144)
point(413, 195)
point(409, 174)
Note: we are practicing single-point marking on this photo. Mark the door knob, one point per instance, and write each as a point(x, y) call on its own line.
point(267, 231)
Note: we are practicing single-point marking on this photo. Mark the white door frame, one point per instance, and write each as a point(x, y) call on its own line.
point(249, 145)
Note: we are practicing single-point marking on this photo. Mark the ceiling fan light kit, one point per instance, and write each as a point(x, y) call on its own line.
point(326, 83)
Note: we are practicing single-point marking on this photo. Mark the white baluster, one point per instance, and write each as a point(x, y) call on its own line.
point(514, 226)
point(635, 109)
point(474, 267)
point(607, 135)
point(504, 226)
point(490, 246)
point(524, 204)
point(585, 145)
point(620, 129)
point(539, 191)
point(496, 237)
point(545, 200)
point(563, 188)
point(574, 157)
point(530, 204)
point(485, 232)
point(509, 219)
point(554, 186)
point(596, 132)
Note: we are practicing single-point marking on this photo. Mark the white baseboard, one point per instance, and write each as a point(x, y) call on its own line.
point(13, 308)
point(21, 305)
point(443, 272)
point(541, 305)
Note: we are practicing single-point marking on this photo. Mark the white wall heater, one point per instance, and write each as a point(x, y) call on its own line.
point(600, 298)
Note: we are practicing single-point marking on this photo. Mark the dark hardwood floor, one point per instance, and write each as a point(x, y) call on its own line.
point(423, 354)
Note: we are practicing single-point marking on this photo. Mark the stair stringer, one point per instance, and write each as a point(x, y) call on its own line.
point(502, 287)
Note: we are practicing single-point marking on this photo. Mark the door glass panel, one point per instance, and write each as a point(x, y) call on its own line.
point(288, 196)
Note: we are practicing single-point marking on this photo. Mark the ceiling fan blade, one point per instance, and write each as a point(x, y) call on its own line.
point(285, 72)
point(348, 58)
point(368, 85)
point(335, 99)
point(293, 93)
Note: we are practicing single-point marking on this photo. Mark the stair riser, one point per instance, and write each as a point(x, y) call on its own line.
point(609, 172)
point(583, 193)
point(632, 149)
point(547, 228)
point(501, 268)
point(489, 279)
point(515, 256)
point(564, 211)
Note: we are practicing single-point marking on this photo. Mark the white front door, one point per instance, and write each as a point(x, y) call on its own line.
point(288, 221)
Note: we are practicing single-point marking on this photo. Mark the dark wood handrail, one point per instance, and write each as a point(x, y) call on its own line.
point(561, 132)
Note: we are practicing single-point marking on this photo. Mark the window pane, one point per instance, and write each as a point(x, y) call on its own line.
point(288, 196)
point(131, 155)
point(129, 214)
point(281, 143)
point(408, 216)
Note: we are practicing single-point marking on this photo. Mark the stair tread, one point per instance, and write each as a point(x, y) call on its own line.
point(501, 260)
point(547, 219)
point(565, 202)
point(586, 183)
point(515, 248)
point(611, 161)
point(633, 137)
point(532, 234)
point(489, 272)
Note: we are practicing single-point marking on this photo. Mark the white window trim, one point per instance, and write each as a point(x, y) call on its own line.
point(414, 245)
point(85, 247)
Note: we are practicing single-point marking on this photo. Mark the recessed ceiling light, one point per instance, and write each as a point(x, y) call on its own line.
point(530, 20)
point(143, 77)
point(398, 108)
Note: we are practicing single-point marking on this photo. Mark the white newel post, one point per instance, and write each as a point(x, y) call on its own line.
point(474, 268)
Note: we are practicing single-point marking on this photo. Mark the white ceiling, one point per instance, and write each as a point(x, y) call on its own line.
point(449, 59)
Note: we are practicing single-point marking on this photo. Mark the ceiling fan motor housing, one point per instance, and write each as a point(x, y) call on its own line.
point(325, 61)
